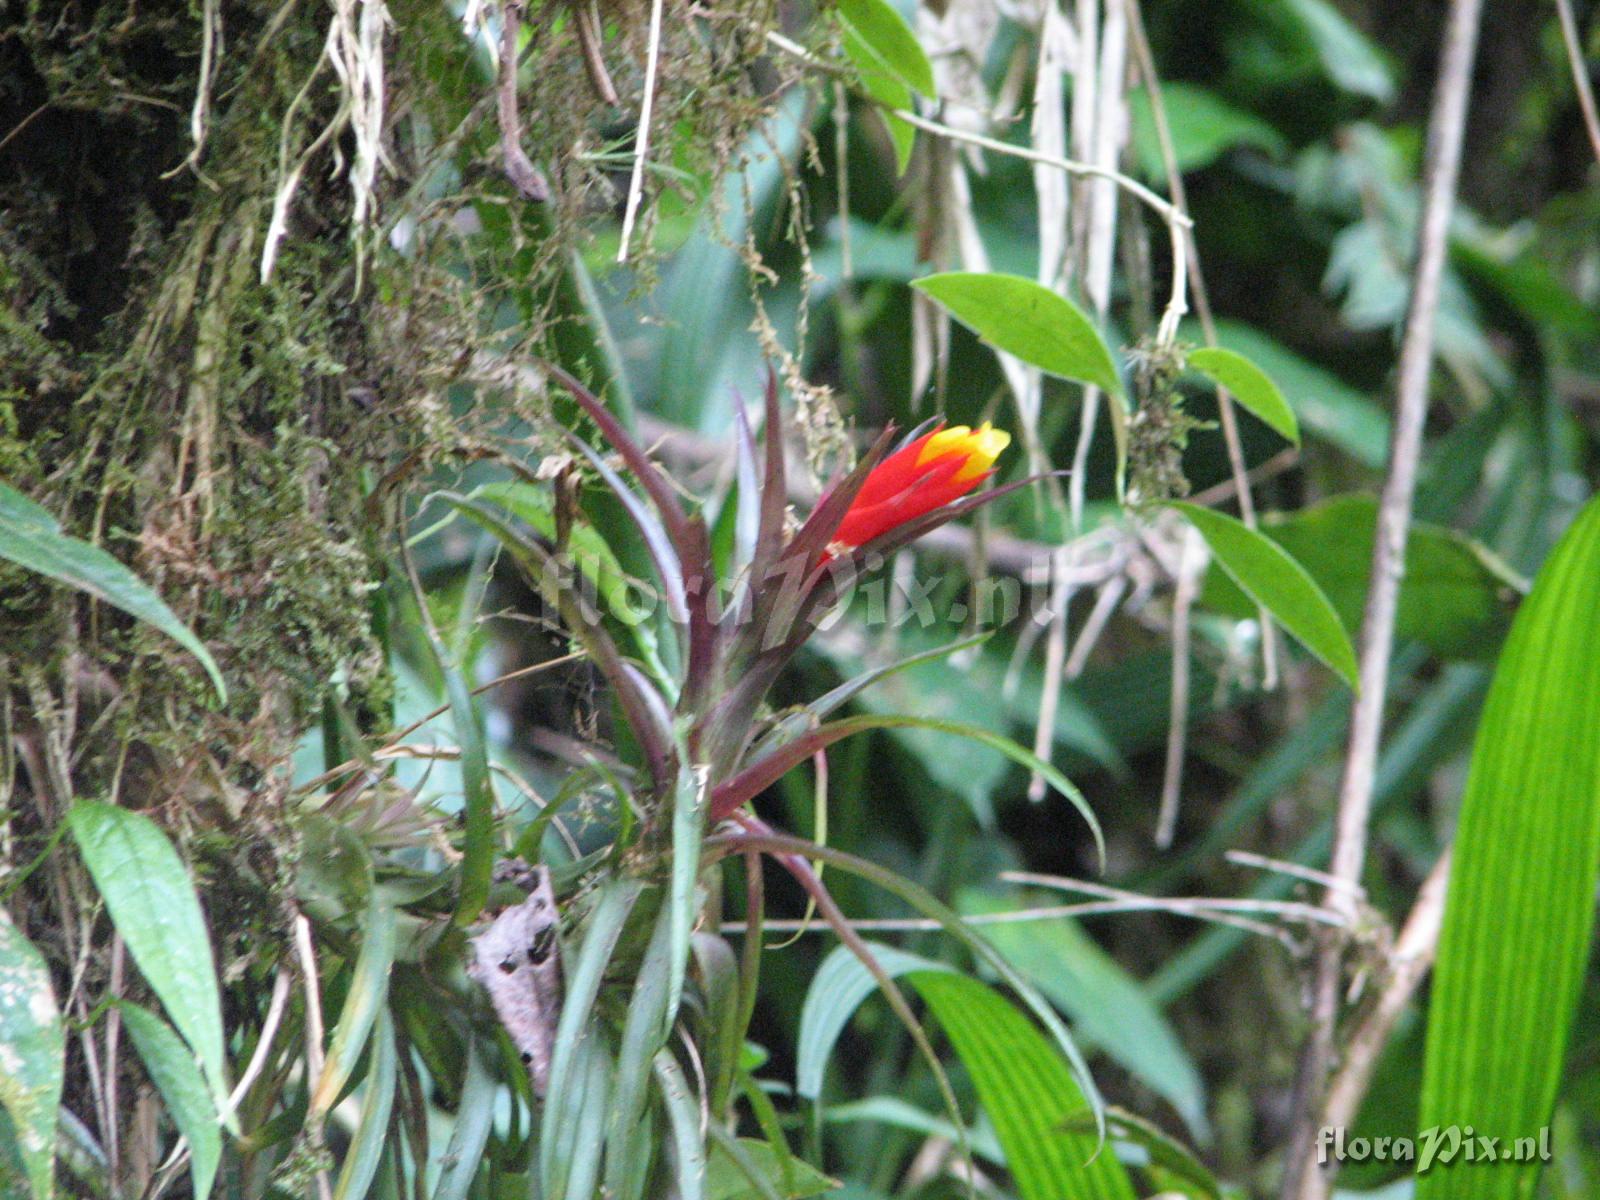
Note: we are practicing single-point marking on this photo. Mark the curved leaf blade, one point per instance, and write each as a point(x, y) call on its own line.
point(1250, 386)
point(171, 1067)
point(31, 537)
point(152, 902)
point(1028, 320)
point(32, 1048)
point(1274, 580)
point(884, 32)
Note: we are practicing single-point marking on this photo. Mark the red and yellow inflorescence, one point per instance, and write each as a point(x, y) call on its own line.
point(922, 475)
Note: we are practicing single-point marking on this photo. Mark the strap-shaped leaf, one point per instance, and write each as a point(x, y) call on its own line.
point(31, 537)
point(1519, 914)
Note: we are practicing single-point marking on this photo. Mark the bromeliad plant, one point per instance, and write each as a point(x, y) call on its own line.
point(703, 747)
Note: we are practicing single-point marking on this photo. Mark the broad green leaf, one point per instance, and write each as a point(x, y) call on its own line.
point(1249, 385)
point(890, 93)
point(1028, 1091)
point(1110, 1009)
point(32, 1046)
point(1325, 405)
point(31, 537)
point(1028, 320)
point(1519, 913)
point(645, 1031)
point(1203, 127)
point(885, 33)
point(727, 1180)
point(839, 987)
point(1274, 580)
point(152, 902)
point(1455, 596)
point(171, 1067)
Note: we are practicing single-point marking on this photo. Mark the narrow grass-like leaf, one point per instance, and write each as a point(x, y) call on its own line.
point(1028, 320)
point(478, 850)
point(368, 995)
point(1271, 578)
point(1027, 1090)
point(643, 1034)
point(884, 31)
point(761, 774)
point(361, 1161)
point(469, 1136)
point(171, 1067)
point(32, 1063)
point(683, 1117)
point(565, 1107)
point(688, 831)
point(1519, 914)
point(839, 987)
point(1250, 386)
point(153, 905)
point(31, 537)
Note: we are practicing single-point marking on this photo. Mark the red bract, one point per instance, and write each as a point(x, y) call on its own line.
point(923, 475)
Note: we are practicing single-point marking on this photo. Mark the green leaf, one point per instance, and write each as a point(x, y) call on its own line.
point(1277, 582)
point(839, 987)
point(1249, 385)
point(889, 92)
point(1110, 1009)
point(729, 1180)
point(470, 1133)
point(367, 997)
point(1519, 913)
point(683, 1116)
point(171, 1067)
point(1456, 598)
point(1325, 405)
point(32, 1049)
point(1350, 59)
point(365, 1156)
point(1027, 1090)
point(31, 537)
point(153, 905)
point(1203, 127)
point(886, 34)
point(1023, 318)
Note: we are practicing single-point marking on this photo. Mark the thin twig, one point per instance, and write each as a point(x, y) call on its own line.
point(1183, 597)
point(641, 142)
point(269, 1030)
point(1580, 73)
point(519, 167)
point(1440, 173)
point(1246, 858)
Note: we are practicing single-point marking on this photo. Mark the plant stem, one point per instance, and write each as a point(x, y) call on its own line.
point(1441, 170)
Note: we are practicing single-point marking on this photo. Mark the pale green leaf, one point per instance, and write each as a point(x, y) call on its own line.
point(1278, 583)
point(890, 93)
point(886, 34)
point(152, 902)
point(31, 537)
point(728, 1180)
point(1027, 320)
point(32, 1045)
point(172, 1068)
point(1251, 387)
